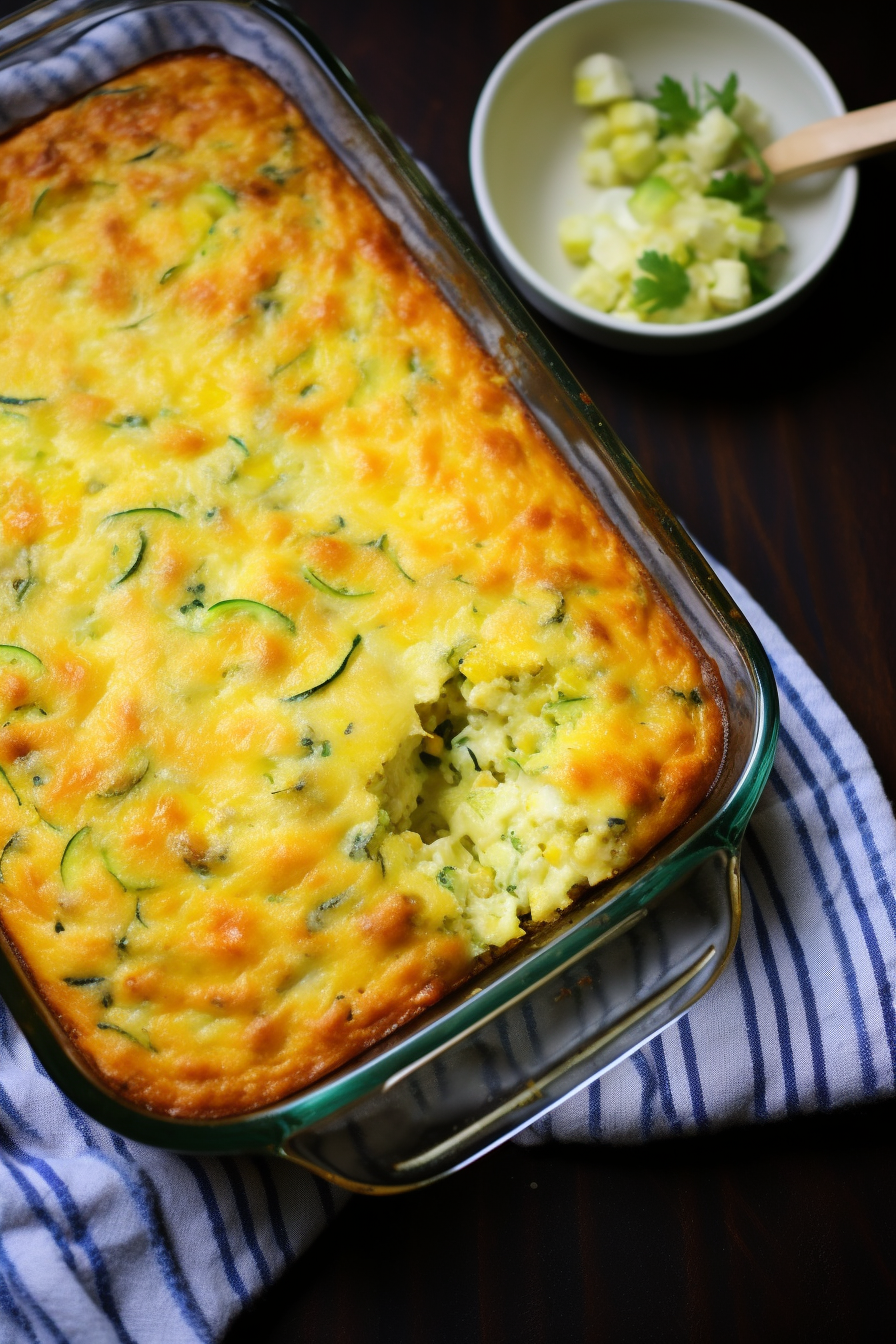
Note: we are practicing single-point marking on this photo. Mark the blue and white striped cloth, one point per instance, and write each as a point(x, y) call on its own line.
point(104, 1241)
point(803, 1018)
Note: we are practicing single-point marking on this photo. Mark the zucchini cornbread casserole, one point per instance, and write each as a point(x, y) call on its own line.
point(320, 676)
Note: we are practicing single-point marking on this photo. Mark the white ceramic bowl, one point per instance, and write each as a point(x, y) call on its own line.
point(526, 139)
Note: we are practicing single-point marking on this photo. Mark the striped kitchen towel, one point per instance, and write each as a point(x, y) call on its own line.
point(104, 1240)
point(803, 1017)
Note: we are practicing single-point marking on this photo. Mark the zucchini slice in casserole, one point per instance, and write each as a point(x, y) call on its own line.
point(321, 678)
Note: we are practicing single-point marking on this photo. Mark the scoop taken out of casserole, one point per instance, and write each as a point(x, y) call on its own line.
point(320, 677)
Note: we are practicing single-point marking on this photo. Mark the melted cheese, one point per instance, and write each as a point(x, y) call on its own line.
point(333, 678)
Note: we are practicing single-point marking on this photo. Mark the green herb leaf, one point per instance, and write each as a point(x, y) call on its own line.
point(666, 284)
point(725, 97)
point(316, 918)
point(760, 289)
point(738, 188)
point(128, 422)
point(358, 848)
point(677, 113)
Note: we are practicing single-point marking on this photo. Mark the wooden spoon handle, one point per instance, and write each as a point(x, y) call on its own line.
point(832, 143)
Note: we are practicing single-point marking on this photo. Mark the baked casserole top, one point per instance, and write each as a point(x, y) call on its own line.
point(321, 678)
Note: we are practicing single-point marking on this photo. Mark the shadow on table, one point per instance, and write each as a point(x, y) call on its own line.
point(770, 1233)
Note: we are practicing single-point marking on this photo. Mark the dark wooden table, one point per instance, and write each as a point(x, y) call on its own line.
point(779, 455)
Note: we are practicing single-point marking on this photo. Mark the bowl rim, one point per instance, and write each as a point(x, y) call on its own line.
point(549, 293)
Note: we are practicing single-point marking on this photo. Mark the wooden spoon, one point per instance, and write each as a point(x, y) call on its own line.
point(830, 143)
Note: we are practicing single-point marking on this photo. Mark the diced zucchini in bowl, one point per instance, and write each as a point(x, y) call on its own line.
point(596, 131)
point(633, 115)
point(635, 154)
point(669, 187)
point(731, 288)
point(598, 288)
point(711, 140)
point(599, 168)
point(601, 79)
point(653, 200)
point(576, 233)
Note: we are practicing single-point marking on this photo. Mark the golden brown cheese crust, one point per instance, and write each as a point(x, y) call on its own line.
point(239, 843)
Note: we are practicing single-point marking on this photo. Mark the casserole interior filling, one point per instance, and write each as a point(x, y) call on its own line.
point(321, 679)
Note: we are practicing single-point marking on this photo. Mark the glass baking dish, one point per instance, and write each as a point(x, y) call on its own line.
point(624, 962)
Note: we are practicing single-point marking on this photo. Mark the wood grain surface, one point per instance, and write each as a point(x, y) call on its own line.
point(780, 455)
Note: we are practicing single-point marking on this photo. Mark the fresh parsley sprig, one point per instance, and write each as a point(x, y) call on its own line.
point(758, 273)
point(740, 189)
point(735, 186)
point(677, 113)
point(666, 284)
point(725, 97)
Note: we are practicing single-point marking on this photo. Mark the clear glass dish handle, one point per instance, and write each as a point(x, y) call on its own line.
point(455, 1104)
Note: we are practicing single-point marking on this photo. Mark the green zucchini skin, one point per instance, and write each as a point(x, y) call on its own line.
point(382, 544)
point(312, 690)
point(9, 784)
point(131, 784)
point(5, 850)
point(12, 653)
point(564, 701)
point(69, 854)
point(125, 886)
point(135, 563)
point(247, 606)
point(142, 509)
point(110, 1026)
point(322, 587)
point(139, 511)
point(111, 871)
